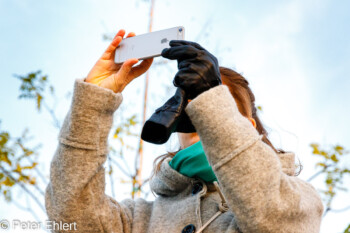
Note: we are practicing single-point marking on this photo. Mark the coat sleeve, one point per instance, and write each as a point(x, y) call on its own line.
point(76, 192)
point(261, 196)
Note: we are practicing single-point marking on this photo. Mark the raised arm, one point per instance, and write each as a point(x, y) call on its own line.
point(261, 196)
point(76, 192)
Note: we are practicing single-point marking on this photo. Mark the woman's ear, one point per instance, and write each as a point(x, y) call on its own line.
point(253, 121)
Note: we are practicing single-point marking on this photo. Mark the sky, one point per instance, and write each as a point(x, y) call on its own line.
point(295, 55)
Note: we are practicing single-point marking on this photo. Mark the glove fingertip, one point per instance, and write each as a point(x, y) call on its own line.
point(174, 83)
point(173, 43)
point(164, 52)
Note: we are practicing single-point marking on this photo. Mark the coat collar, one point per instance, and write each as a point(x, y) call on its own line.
point(169, 182)
point(288, 162)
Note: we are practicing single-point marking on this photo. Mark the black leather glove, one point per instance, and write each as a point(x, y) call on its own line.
point(198, 72)
point(167, 119)
point(198, 69)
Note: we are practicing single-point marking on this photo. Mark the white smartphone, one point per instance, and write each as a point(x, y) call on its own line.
point(147, 45)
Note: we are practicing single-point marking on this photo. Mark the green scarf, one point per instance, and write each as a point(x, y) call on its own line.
point(192, 162)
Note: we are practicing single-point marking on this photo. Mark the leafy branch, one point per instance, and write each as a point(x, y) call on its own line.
point(334, 172)
point(15, 167)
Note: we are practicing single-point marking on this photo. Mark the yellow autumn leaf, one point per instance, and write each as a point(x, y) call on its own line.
point(8, 182)
point(32, 181)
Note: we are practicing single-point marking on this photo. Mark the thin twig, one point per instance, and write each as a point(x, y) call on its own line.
point(56, 122)
point(33, 213)
point(315, 175)
point(320, 172)
point(38, 172)
point(120, 167)
point(126, 164)
point(110, 177)
point(19, 206)
point(340, 210)
point(326, 211)
point(24, 188)
point(144, 182)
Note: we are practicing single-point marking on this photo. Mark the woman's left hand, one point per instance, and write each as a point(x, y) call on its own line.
point(198, 69)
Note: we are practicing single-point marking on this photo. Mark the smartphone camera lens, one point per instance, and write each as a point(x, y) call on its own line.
point(180, 29)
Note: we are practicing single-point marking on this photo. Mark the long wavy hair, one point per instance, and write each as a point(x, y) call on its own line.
point(245, 99)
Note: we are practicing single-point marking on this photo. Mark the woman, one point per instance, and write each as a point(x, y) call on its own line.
point(248, 186)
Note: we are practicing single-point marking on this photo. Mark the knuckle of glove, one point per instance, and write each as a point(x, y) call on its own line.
point(176, 81)
point(198, 70)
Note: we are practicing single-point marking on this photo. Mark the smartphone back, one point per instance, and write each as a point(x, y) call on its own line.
point(147, 45)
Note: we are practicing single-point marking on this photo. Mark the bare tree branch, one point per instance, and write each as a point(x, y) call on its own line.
point(42, 177)
point(110, 176)
point(315, 175)
point(24, 188)
point(120, 167)
point(56, 123)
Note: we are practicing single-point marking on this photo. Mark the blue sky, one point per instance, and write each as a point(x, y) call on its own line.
point(295, 54)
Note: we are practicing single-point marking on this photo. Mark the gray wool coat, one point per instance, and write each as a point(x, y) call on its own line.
point(259, 186)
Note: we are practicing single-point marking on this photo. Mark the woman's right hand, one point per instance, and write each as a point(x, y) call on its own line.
point(106, 73)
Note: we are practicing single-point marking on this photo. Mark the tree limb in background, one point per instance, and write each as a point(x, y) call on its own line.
point(332, 170)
